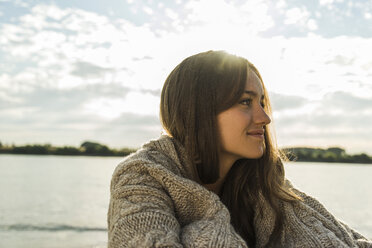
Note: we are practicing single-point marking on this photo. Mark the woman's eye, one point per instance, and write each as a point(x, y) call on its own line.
point(247, 102)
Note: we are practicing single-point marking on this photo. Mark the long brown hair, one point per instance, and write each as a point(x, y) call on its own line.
point(195, 92)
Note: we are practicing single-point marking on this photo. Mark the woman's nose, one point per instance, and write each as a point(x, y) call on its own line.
point(262, 117)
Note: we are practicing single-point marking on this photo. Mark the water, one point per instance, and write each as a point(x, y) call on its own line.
point(55, 201)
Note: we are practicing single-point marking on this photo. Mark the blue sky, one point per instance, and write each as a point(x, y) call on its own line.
point(72, 71)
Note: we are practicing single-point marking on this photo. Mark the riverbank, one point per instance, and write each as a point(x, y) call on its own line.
point(329, 155)
point(89, 148)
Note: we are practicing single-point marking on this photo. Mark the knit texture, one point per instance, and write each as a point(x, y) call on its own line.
point(155, 202)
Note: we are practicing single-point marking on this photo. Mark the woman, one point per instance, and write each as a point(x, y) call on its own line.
point(216, 178)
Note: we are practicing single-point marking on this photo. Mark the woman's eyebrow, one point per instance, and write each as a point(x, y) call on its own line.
point(253, 93)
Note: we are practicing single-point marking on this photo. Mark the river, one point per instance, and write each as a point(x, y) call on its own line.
point(61, 201)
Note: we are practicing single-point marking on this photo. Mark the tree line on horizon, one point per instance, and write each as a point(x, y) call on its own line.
point(89, 148)
point(332, 154)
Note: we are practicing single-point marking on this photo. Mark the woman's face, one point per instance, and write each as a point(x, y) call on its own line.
point(241, 127)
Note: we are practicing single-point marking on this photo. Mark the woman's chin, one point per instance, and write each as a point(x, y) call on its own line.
point(257, 155)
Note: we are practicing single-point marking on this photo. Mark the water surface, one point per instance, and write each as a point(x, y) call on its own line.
point(57, 201)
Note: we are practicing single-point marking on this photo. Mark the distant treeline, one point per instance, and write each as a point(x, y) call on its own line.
point(87, 148)
point(333, 154)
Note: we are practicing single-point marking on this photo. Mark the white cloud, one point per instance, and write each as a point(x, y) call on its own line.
point(171, 14)
point(85, 49)
point(326, 2)
point(50, 11)
point(345, 102)
point(251, 17)
point(281, 4)
point(346, 129)
point(18, 3)
point(148, 10)
point(104, 107)
point(80, 36)
point(281, 102)
point(330, 3)
point(310, 67)
point(312, 25)
point(297, 16)
point(135, 102)
point(132, 129)
point(367, 16)
point(139, 103)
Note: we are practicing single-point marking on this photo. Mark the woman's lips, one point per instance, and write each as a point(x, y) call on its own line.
point(258, 136)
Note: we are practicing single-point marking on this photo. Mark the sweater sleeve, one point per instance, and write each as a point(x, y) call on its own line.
point(140, 214)
point(359, 239)
point(343, 231)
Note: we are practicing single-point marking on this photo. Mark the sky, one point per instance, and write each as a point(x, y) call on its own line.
point(72, 71)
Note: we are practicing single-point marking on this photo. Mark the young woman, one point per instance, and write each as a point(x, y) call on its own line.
point(216, 179)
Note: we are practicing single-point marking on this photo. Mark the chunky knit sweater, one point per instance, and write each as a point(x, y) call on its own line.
point(156, 202)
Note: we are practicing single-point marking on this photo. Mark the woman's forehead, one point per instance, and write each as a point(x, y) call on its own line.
point(254, 84)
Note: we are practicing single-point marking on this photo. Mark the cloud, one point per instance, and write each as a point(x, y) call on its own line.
point(312, 24)
point(341, 60)
point(148, 10)
point(136, 102)
point(349, 130)
point(74, 76)
point(51, 100)
point(338, 117)
point(325, 2)
point(18, 3)
point(329, 3)
point(283, 102)
point(72, 115)
point(88, 75)
point(297, 15)
point(347, 102)
point(300, 18)
point(252, 16)
point(143, 58)
point(128, 130)
point(171, 14)
point(314, 66)
point(320, 123)
point(88, 70)
point(132, 129)
point(72, 42)
point(341, 109)
point(105, 101)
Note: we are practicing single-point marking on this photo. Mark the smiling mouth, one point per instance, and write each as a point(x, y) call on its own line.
point(259, 134)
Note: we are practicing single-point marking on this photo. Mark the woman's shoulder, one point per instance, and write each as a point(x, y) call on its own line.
point(163, 154)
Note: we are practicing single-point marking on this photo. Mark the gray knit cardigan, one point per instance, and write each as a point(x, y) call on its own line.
point(155, 202)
